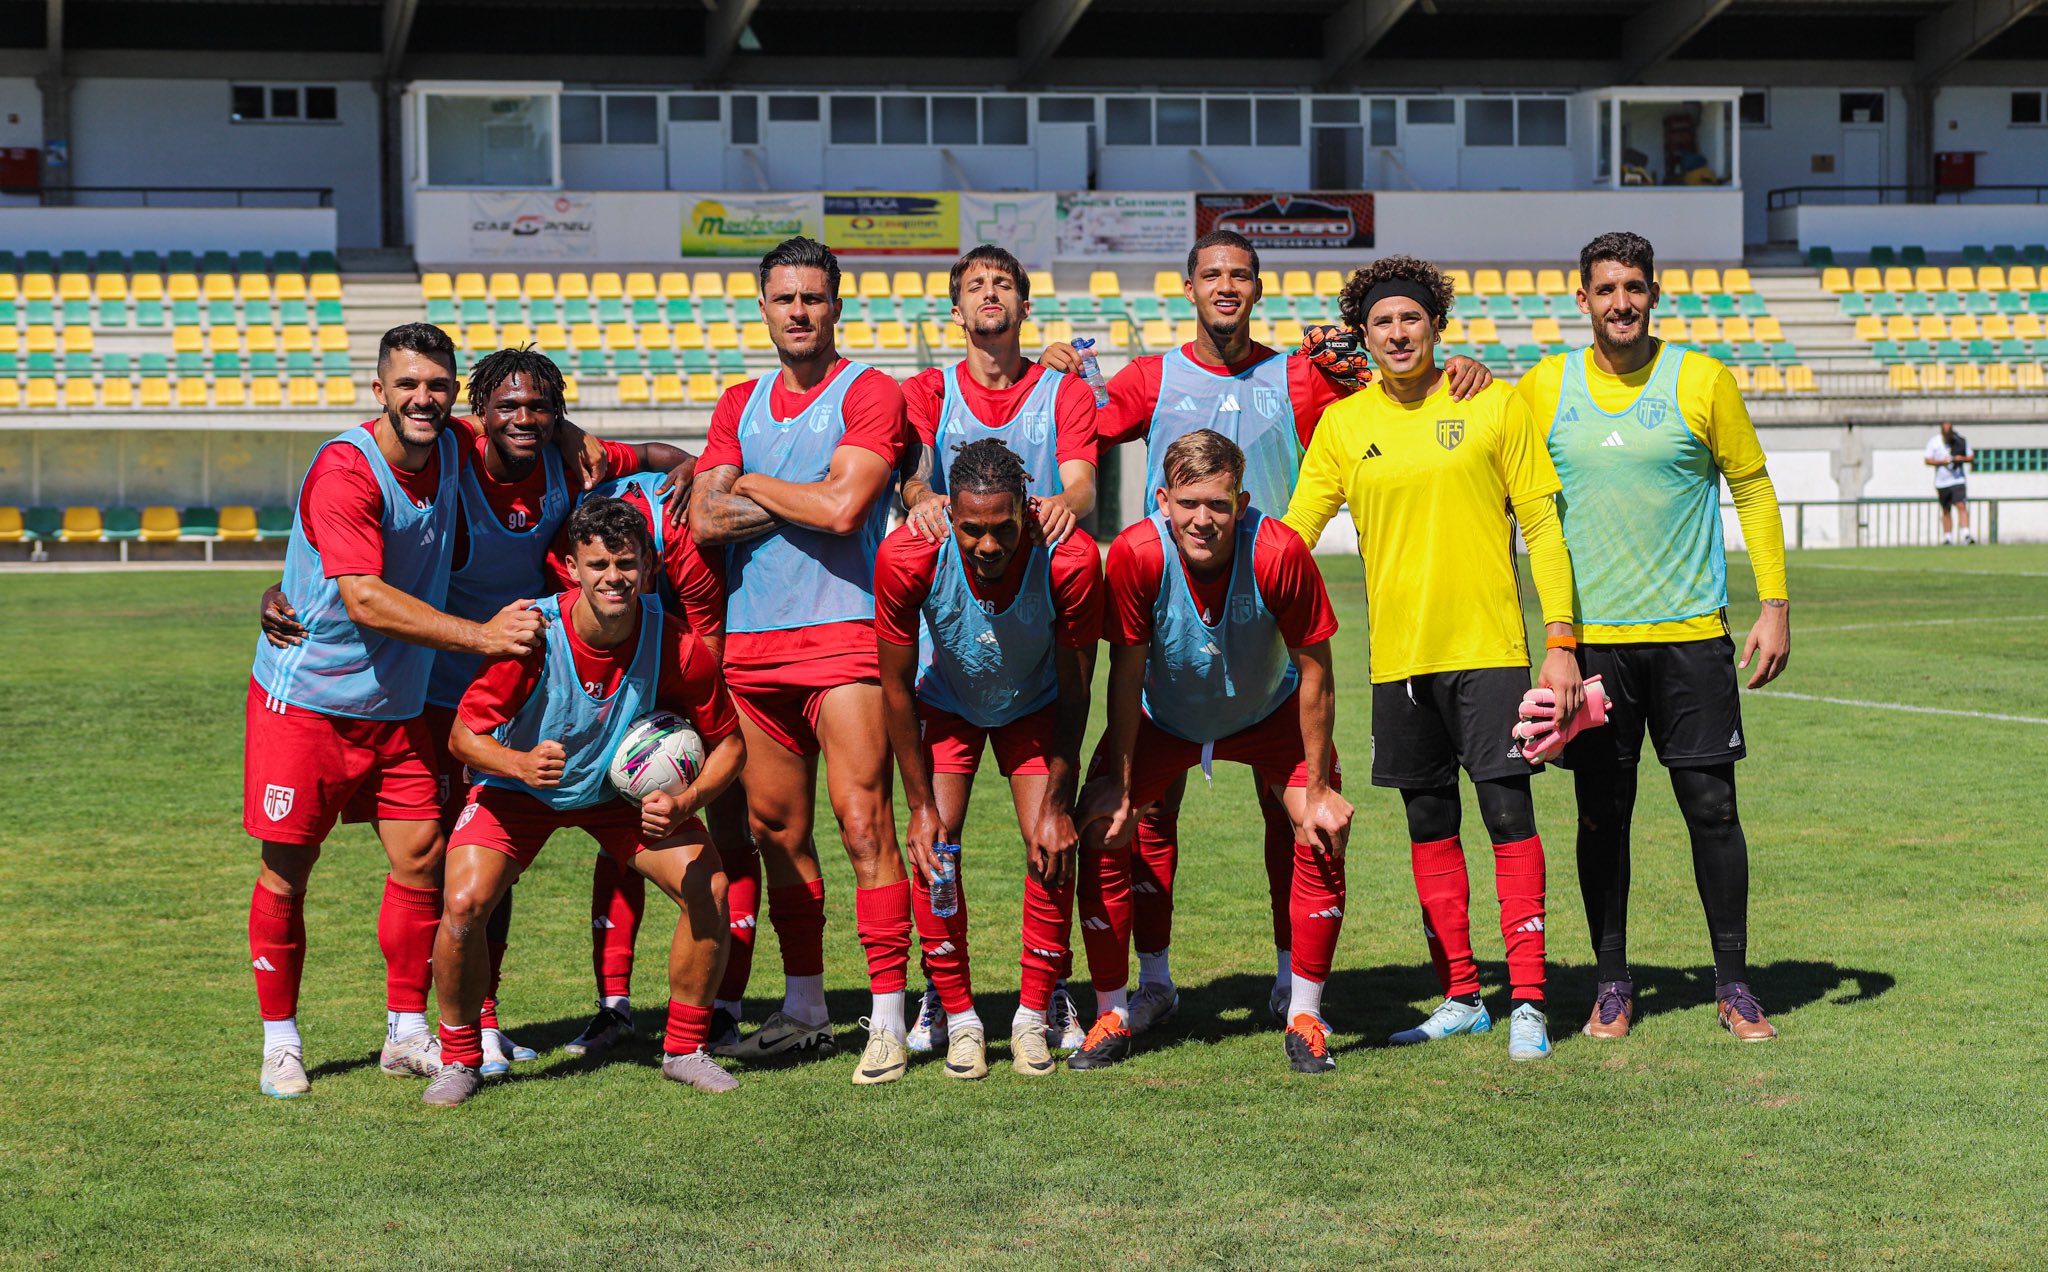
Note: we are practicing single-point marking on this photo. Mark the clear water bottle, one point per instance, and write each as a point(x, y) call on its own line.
point(946, 881)
point(1091, 370)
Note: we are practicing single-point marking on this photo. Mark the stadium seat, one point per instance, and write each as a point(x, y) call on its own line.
point(1706, 281)
point(42, 395)
point(191, 391)
point(703, 387)
point(1104, 282)
point(1934, 378)
point(159, 524)
point(79, 395)
point(1960, 278)
point(81, 525)
point(892, 335)
point(634, 390)
point(1487, 282)
point(11, 530)
point(198, 522)
point(1902, 379)
point(42, 523)
point(436, 287)
point(1928, 278)
point(1998, 378)
point(237, 523)
point(1670, 327)
point(121, 523)
point(1991, 278)
point(1969, 378)
point(668, 389)
point(302, 391)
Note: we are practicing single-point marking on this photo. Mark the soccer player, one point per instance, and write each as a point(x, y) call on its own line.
point(1269, 404)
point(1431, 482)
point(1047, 417)
point(1949, 455)
point(334, 723)
point(1219, 650)
point(1009, 629)
point(792, 483)
point(541, 730)
point(1643, 433)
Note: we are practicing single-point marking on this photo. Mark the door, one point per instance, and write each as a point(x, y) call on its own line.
point(1065, 156)
point(1337, 158)
point(1863, 161)
point(1428, 152)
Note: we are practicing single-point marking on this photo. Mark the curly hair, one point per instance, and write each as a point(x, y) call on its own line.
point(1622, 247)
point(1351, 305)
point(612, 522)
point(988, 467)
point(493, 369)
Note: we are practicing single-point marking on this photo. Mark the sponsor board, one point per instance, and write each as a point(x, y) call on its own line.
point(1026, 225)
point(1126, 222)
point(717, 224)
point(892, 224)
point(1325, 220)
point(538, 226)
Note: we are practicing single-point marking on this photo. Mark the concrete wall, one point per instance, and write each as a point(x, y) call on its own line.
point(1938, 227)
point(128, 132)
point(1549, 227)
point(168, 229)
point(1977, 119)
point(1806, 123)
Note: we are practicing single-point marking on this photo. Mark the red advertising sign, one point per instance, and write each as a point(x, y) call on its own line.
point(1330, 220)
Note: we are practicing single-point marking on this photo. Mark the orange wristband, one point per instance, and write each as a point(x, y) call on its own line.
point(1561, 642)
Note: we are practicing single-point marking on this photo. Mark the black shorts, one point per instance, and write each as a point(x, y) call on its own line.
point(1683, 691)
point(1426, 728)
point(1950, 496)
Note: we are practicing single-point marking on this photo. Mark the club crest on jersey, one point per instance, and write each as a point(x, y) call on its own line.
point(821, 417)
point(1243, 608)
point(1037, 426)
point(277, 801)
point(1266, 401)
point(1029, 612)
point(1652, 412)
point(1449, 433)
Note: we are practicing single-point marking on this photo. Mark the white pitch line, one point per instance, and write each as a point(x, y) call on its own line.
point(1926, 622)
point(1924, 569)
point(1894, 706)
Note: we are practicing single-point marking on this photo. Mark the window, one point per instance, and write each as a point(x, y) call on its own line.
point(474, 139)
point(1863, 108)
point(1003, 121)
point(2013, 459)
point(2027, 109)
point(1180, 121)
point(1489, 121)
point(1066, 110)
point(1230, 121)
point(1539, 121)
point(1384, 118)
point(246, 102)
point(582, 119)
point(953, 121)
point(1129, 122)
point(282, 104)
point(1279, 121)
point(693, 108)
point(322, 104)
point(1432, 110)
point(903, 121)
point(792, 110)
point(629, 120)
point(853, 121)
point(1327, 110)
point(745, 121)
point(1756, 108)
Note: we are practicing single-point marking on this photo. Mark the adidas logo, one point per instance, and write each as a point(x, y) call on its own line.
point(1570, 416)
point(1211, 649)
point(1533, 925)
point(1372, 451)
point(1096, 924)
point(599, 925)
point(943, 948)
point(1514, 750)
point(264, 965)
point(1614, 439)
point(1334, 912)
point(1186, 403)
point(1047, 953)
point(745, 924)
point(987, 638)
point(1146, 887)
point(1229, 403)
point(1735, 738)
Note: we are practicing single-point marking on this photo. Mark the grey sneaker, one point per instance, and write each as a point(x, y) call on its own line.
point(779, 1034)
point(416, 1057)
point(284, 1074)
point(1029, 1054)
point(607, 1029)
point(1152, 1006)
point(453, 1084)
point(699, 1070)
point(1063, 1027)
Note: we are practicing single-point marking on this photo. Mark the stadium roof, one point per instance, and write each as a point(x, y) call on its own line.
point(1042, 43)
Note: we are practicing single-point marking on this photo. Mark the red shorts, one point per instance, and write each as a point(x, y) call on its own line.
point(450, 774)
point(303, 771)
point(516, 824)
point(1271, 748)
point(1022, 745)
point(785, 700)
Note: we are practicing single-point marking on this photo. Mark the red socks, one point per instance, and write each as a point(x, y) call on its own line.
point(881, 917)
point(1047, 931)
point(1152, 865)
point(1316, 902)
point(943, 942)
point(406, 924)
point(1446, 895)
point(277, 950)
point(1280, 856)
point(743, 906)
point(1105, 897)
point(1518, 877)
point(618, 897)
point(462, 1044)
point(689, 1027)
point(797, 913)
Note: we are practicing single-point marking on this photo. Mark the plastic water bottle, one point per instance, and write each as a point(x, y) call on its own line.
point(946, 881)
point(1091, 370)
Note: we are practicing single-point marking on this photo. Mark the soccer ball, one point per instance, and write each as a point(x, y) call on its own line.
point(661, 752)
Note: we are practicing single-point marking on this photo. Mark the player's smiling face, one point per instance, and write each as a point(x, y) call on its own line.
point(987, 527)
point(1401, 337)
point(417, 392)
point(519, 420)
point(800, 310)
point(1223, 289)
point(1618, 298)
point(1203, 516)
point(989, 303)
point(609, 576)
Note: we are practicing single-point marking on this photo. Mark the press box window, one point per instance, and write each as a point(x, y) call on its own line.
point(1279, 122)
point(1756, 109)
point(2027, 109)
point(1863, 108)
point(282, 104)
point(582, 119)
point(745, 122)
point(630, 121)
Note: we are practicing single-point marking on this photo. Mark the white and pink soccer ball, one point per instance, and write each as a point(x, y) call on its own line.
point(661, 752)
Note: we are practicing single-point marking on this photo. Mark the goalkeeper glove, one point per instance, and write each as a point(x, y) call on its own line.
point(1539, 732)
point(1340, 352)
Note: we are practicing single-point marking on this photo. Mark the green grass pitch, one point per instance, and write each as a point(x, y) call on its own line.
point(1898, 935)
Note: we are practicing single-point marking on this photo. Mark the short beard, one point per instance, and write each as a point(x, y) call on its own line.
point(1606, 336)
point(997, 326)
point(823, 349)
point(399, 419)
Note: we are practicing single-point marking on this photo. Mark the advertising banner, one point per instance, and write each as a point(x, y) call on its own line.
point(1127, 222)
point(1325, 220)
point(1025, 224)
point(719, 224)
point(537, 226)
point(889, 224)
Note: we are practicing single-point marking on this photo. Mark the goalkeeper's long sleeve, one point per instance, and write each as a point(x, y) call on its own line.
point(1763, 529)
point(1550, 561)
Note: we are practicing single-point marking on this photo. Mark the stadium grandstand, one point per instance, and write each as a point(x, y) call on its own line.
point(209, 211)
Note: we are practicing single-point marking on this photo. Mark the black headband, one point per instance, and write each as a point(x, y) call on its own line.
point(1404, 287)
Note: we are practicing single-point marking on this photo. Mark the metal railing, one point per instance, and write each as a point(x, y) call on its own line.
point(1793, 196)
point(1889, 523)
point(175, 196)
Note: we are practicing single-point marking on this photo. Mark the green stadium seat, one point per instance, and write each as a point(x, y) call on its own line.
point(10, 314)
point(511, 309)
point(1855, 305)
point(731, 361)
point(662, 362)
point(627, 362)
point(715, 309)
point(1948, 304)
point(1981, 303)
point(42, 523)
point(184, 313)
point(1467, 307)
point(122, 523)
point(273, 521)
point(216, 262)
point(646, 309)
point(322, 262)
point(1528, 355)
point(113, 313)
point(38, 262)
point(1913, 255)
point(41, 313)
point(590, 362)
point(42, 366)
point(475, 310)
point(222, 313)
point(229, 364)
point(1981, 350)
point(2005, 254)
point(696, 362)
point(255, 313)
point(675, 309)
point(147, 262)
point(180, 262)
point(10, 366)
point(334, 362)
point(74, 262)
point(299, 362)
point(1918, 351)
point(198, 523)
point(78, 313)
point(118, 365)
point(612, 309)
point(1751, 305)
point(1948, 350)
point(916, 309)
point(2013, 351)
point(287, 262)
point(293, 313)
point(155, 364)
point(78, 364)
point(189, 364)
point(9, 262)
point(1974, 254)
point(252, 262)
point(1883, 256)
point(264, 363)
point(576, 312)
point(149, 313)
point(1820, 257)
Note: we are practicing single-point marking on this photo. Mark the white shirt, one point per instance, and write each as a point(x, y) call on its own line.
point(1947, 474)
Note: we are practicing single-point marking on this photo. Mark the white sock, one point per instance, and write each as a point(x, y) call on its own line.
point(958, 1020)
point(404, 1024)
point(887, 1014)
point(619, 1003)
point(281, 1033)
point(1026, 1019)
point(730, 1006)
point(804, 998)
point(1116, 1000)
point(1283, 967)
point(1306, 997)
point(495, 1040)
point(1154, 969)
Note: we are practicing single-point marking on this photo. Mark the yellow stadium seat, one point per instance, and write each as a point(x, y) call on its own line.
point(1675, 281)
point(515, 335)
point(159, 524)
point(668, 389)
point(733, 378)
point(1901, 378)
point(586, 335)
point(1834, 279)
point(146, 287)
point(1031, 334)
point(573, 285)
point(43, 339)
point(238, 523)
point(1897, 278)
point(117, 393)
point(704, 286)
point(1157, 333)
point(538, 286)
point(296, 339)
point(218, 287)
point(655, 335)
point(1041, 283)
point(1769, 379)
point(552, 335)
point(2023, 278)
point(156, 391)
point(1269, 282)
point(230, 392)
point(79, 339)
point(1969, 378)
point(1706, 281)
point(569, 390)
point(10, 394)
point(181, 287)
point(74, 287)
point(11, 528)
point(634, 390)
point(261, 339)
point(1998, 378)
point(1261, 331)
point(1104, 282)
point(1184, 331)
point(470, 286)
point(1706, 328)
point(223, 340)
point(1329, 282)
point(906, 284)
point(1669, 327)
point(1736, 330)
point(1545, 331)
point(78, 394)
point(1870, 327)
point(874, 285)
point(1297, 282)
point(1483, 331)
point(10, 289)
point(436, 286)
point(110, 287)
point(1900, 327)
point(1744, 378)
point(1769, 328)
point(183, 340)
point(1935, 378)
point(607, 285)
point(1287, 333)
point(1059, 331)
point(1991, 278)
point(1165, 282)
point(1997, 327)
point(81, 525)
point(10, 338)
point(333, 340)
point(722, 335)
point(1799, 378)
point(1119, 333)
point(741, 285)
point(1519, 282)
point(892, 335)
point(934, 335)
point(266, 391)
point(503, 286)
point(2030, 377)
point(1963, 327)
point(255, 287)
point(620, 335)
point(1460, 281)
point(284, 287)
point(1961, 278)
point(1868, 279)
point(1933, 327)
point(192, 391)
point(954, 336)
point(754, 336)
point(689, 335)
point(703, 387)
point(1736, 282)
point(2029, 326)
point(1928, 278)
point(672, 285)
point(640, 286)
point(1486, 282)
point(1550, 282)
point(303, 392)
point(42, 395)
point(1454, 331)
